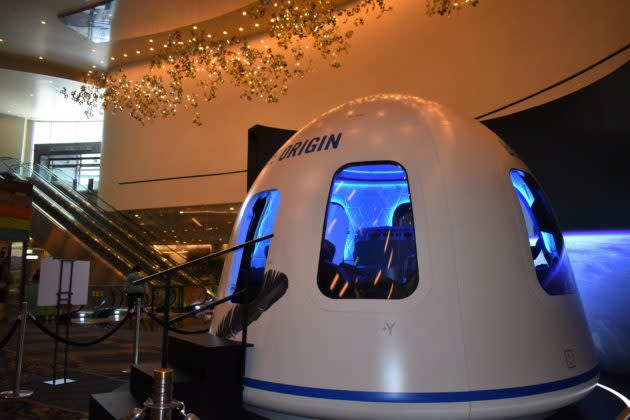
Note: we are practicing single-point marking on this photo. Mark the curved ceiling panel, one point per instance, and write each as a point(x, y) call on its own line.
point(146, 17)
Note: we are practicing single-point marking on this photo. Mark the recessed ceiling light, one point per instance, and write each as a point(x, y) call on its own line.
point(113, 58)
point(1, 40)
point(43, 22)
point(224, 32)
point(40, 57)
point(151, 49)
point(93, 66)
point(137, 52)
point(102, 62)
point(244, 13)
point(257, 25)
point(125, 55)
point(150, 40)
point(240, 29)
point(93, 50)
point(195, 27)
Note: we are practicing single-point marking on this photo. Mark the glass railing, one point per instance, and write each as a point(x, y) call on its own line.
point(93, 203)
point(111, 234)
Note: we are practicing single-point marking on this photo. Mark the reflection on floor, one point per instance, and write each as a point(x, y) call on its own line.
point(98, 368)
point(95, 369)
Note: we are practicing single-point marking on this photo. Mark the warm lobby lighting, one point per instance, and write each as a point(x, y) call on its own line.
point(260, 72)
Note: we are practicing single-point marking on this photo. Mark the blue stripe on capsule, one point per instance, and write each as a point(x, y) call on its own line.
point(421, 397)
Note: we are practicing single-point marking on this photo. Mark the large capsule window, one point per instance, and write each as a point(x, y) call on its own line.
point(257, 221)
point(545, 238)
point(368, 249)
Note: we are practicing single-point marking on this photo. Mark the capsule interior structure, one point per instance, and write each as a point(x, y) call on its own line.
point(416, 270)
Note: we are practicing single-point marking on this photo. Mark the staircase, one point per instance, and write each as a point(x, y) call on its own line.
point(206, 377)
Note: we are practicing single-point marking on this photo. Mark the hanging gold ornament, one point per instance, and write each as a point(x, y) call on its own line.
point(206, 62)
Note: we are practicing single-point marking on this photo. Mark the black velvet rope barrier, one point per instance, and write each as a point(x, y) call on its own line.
point(12, 330)
point(170, 327)
point(51, 334)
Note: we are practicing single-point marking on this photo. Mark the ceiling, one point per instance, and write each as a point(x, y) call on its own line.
point(35, 42)
point(37, 97)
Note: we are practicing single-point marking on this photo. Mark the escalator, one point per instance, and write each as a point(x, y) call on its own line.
point(113, 237)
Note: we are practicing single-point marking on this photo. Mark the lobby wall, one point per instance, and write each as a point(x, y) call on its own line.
point(11, 136)
point(480, 59)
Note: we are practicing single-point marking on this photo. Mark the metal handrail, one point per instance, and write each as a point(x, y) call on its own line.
point(198, 260)
point(207, 306)
point(167, 295)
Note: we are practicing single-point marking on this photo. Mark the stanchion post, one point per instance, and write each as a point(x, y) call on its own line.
point(136, 344)
point(165, 320)
point(17, 392)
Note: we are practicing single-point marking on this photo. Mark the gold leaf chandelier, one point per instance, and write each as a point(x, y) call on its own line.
point(207, 61)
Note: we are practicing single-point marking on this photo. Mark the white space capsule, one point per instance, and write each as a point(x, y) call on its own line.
point(416, 271)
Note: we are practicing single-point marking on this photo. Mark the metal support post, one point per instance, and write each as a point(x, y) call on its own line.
point(17, 392)
point(136, 344)
point(165, 320)
point(162, 394)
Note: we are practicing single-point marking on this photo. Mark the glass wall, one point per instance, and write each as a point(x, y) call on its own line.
point(71, 150)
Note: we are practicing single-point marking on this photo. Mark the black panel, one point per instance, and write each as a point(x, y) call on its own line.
point(578, 147)
point(262, 143)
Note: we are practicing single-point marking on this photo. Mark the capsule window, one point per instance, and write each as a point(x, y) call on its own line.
point(257, 221)
point(550, 261)
point(368, 248)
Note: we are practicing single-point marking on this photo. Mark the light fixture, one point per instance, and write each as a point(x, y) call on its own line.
point(137, 51)
point(43, 22)
point(32, 257)
point(113, 58)
point(151, 40)
point(260, 71)
point(40, 57)
point(1, 40)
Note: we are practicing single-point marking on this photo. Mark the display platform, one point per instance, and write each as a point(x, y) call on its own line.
point(600, 404)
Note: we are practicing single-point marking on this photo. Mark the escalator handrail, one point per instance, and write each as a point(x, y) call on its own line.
point(157, 260)
point(128, 223)
point(199, 260)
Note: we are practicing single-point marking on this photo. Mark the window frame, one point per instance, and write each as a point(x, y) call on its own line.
point(569, 287)
point(323, 234)
point(236, 260)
